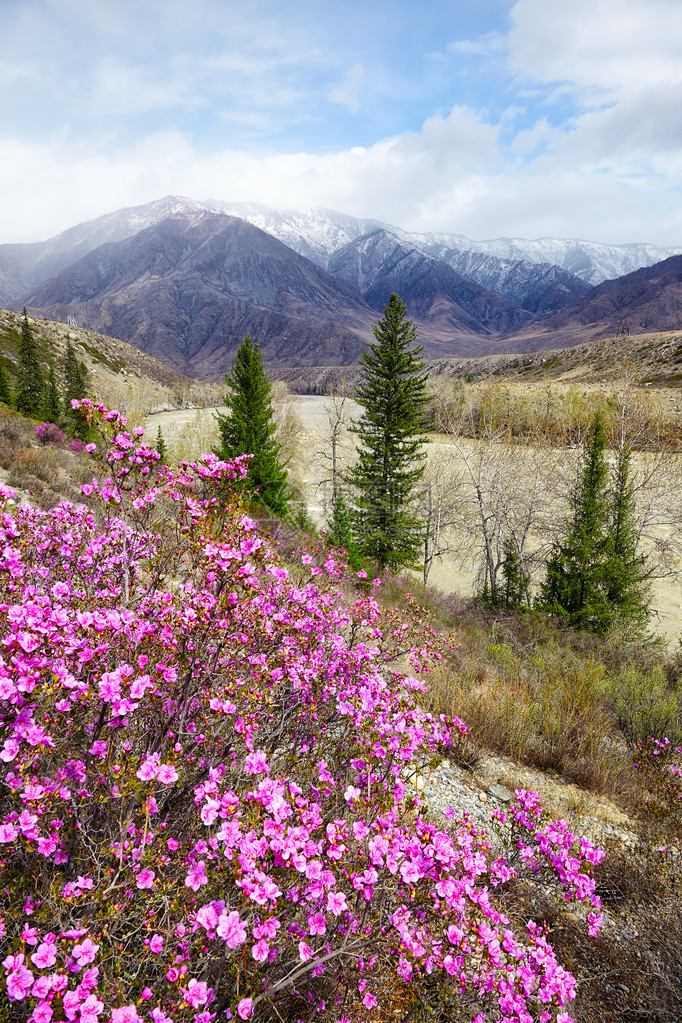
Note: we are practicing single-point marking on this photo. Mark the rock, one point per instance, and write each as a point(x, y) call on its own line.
point(499, 792)
point(482, 797)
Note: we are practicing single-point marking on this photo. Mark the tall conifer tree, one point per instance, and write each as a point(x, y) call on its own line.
point(75, 388)
point(248, 428)
point(29, 373)
point(52, 409)
point(625, 575)
point(390, 462)
point(595, 575)
point(341, 530)
point(575, 569)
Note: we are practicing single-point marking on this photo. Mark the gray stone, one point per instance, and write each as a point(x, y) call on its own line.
point(499, 792)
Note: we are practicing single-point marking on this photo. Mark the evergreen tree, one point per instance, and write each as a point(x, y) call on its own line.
point(340, 531)
point(624, 572)
point(5, 393)
point(575, 571)
point(386, 476)
point(75, 388)
point(515, 579)
point(248, 428)
point(29, 374)
point(52, 405)
point(161, 445)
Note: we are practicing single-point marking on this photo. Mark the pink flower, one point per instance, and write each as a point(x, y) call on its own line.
point(42, 1013)
point(207, 917)
point(86, 952)
point(260, 951)
point(44, 956)
point(126, 1014)
point(149, 769)
point(196, 877)
point(336, 903)
point(305, 952)
point(369, 1001)
point(317, 924)
point(167, 774)
point(156, 944)
point(245, 1008)
point(197, 993)
point(256, 762)
point(145, 879)
point(90, 1009)
point(231, 929)
point(19, 983)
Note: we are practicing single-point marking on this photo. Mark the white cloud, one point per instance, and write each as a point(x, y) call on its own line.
point(483, 46)
point(604, 50)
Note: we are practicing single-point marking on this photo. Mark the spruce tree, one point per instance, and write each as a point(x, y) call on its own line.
point(624, 571)
point(5, 393)
point(575, 571)
point(390, 462)
point(29, 374)
point(161, 446)
point(52, 405)
point(516, 581)
point(340, 530)
point(248, 428)
point(75, 388)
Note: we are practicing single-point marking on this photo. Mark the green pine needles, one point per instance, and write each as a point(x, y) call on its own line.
point(594, 575)
point(248, 428)
point(29, 392)
point(390, 464)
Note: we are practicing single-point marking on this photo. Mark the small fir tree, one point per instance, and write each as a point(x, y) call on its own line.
point(248, 428)
point(75, 388)
point(53, 406)
point(29, 374)
point(5, 393)
point(340, 531)
point(390, 462)
point(575, 572)
point(161, 445)
point(625, 575)
point(516, 581)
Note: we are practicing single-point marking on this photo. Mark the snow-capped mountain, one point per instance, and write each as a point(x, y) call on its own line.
point(593, 262)
point(315, 233)
point(378, 264)
point(22, 266)
point(318, 233)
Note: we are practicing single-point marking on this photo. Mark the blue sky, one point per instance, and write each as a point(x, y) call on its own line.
point(482, 117)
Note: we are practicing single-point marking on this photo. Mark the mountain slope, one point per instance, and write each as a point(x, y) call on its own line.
point(189, 288)
point(592, 262)
point(23, 266)
point(378, 264)
point(649, 299)
point(319, 233)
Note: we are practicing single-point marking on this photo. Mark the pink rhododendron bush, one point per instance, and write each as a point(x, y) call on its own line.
point(204, 761)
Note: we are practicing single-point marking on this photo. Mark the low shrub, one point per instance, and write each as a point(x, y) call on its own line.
point(203, 806)
point(50, 433)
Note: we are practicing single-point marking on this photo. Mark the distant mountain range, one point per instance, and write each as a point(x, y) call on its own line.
point(184, 281)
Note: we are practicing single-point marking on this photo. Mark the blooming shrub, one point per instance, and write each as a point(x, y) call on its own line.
point(204, 766)
point(50, 433)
